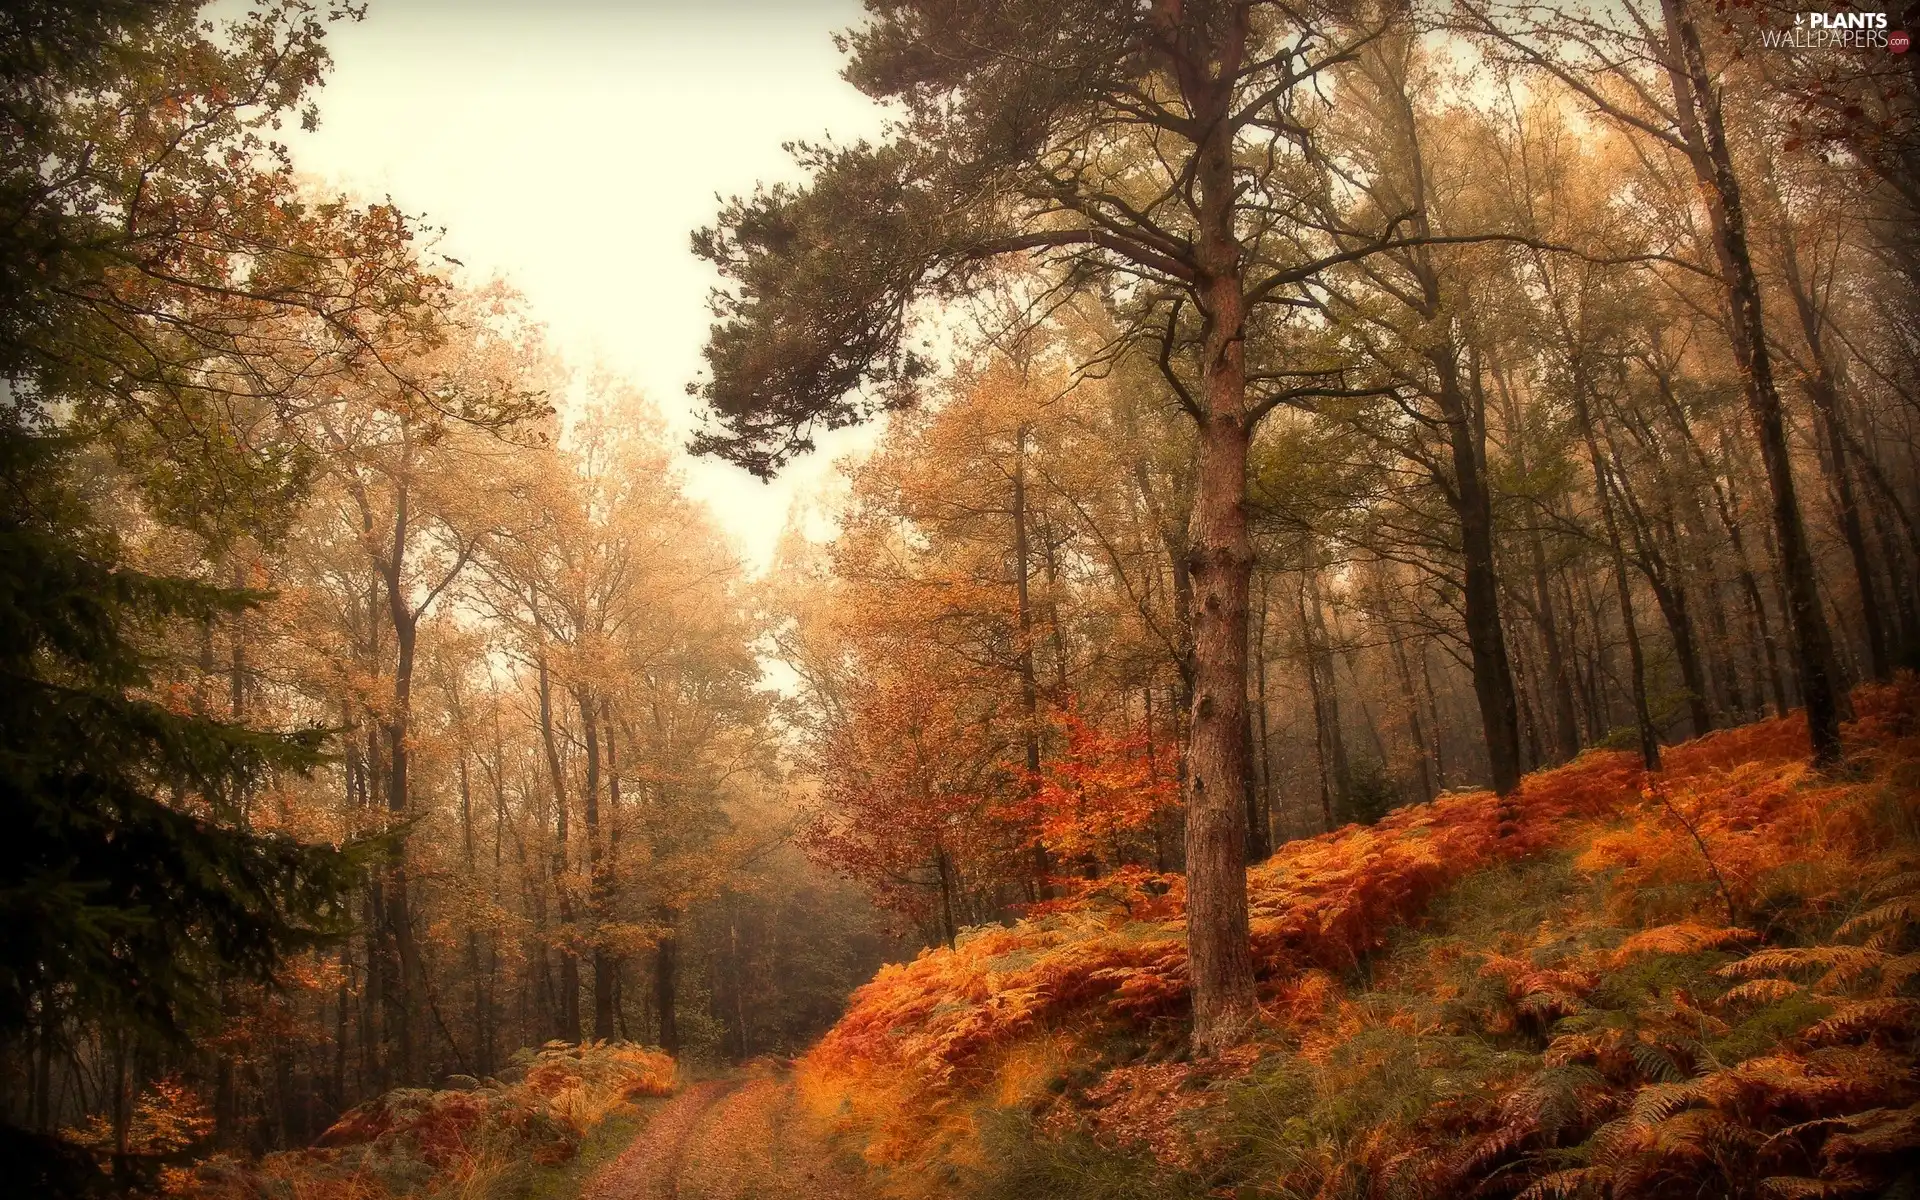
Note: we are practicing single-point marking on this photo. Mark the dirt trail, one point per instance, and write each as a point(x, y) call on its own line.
point(740, 1138)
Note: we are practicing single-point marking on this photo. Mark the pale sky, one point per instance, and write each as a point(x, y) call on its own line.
point(572, 146)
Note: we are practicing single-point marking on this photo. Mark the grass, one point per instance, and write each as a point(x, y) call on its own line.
point(565, 1181)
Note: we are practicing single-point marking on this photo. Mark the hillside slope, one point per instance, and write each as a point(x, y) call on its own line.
point(1701, 982)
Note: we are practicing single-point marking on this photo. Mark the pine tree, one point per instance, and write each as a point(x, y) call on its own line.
point(129, 884)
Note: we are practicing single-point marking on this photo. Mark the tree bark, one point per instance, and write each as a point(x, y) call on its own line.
point(1415, 733)
point(1823, 388)
point(1029, 682)
point(1698, 106)
point(596, 867)
point(1486, 640)
point(666, 984)
point(1259, 843)
point(1220, 556)
point(1623, 585)
point(399, 914)
point(1322, 724)
point(567, 1011)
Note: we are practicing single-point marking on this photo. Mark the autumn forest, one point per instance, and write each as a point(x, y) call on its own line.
point(1352, 633)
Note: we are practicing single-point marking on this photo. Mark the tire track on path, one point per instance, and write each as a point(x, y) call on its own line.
point(650, 1168)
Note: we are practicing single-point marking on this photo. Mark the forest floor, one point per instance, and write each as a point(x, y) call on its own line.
point(740, 1137)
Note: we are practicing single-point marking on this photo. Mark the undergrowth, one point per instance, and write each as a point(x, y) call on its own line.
point(1702, 982)
point(566, 1108)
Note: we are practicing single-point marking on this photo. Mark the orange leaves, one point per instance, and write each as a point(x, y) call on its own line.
point(1616, 1033)
point(168, 1117)
point(1684, 937)
point(1115, 952)
point(1099, 791)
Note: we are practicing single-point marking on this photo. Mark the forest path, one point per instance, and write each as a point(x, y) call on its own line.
point(737, 1138)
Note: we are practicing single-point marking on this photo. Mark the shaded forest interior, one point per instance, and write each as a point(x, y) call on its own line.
point(1282, 419)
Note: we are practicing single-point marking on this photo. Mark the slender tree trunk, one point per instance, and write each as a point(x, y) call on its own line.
point(1415, 733)
point(605, 959)
point(567, 1011)
point(1259, 787)
point(1472, 503)
point(1762, 640)
point(1668, 593)
point(1336, 725)
point(1433, 711)
point(1823, 388)
point(1566, 726)
point(1323, 726)
point(596, 866)
point(1029, 683)
point(399, 915)
point(475, 982)
point(666, 983)
point(1623, 589)
point(1697, 101)
point(943, 872)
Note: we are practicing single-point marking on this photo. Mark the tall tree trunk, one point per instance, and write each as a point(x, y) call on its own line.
point(1669, 594)
point(1220, 554)
point(1259, 839)
point(605, 959)
point(1472, 502)
point(399, 913)
point(1415, 733)
point(943, 875)
point(666, 981)
point(1623, 586)
point(567, 1011)
point(476, 983)
point(596, 866)
point(1029, 683)
point(1761, 641)
point(1823, 388)
point(1336, 725)
point(1433, 712)
point(1697, 102)
point(1324, 727)
point(1566, 726)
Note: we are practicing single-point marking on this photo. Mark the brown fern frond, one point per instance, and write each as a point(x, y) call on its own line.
point(1761, 991)
point(1553, 1099)
point(1891, 1133)
point(1613, 1142)
point(1657, 1101)
point(1844, 964)
point(1656, 1063)
point(1570, 1048)
point(1567, 1185)
point(1867, 1017)
point(1892, 917)
point(1691, 1134)
point(1799, 1187)
point(1684, 937)
point(1899, 883)
point(1898, 972)
point(1490, 1148)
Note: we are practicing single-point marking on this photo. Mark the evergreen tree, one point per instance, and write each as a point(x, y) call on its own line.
point(129, 883)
